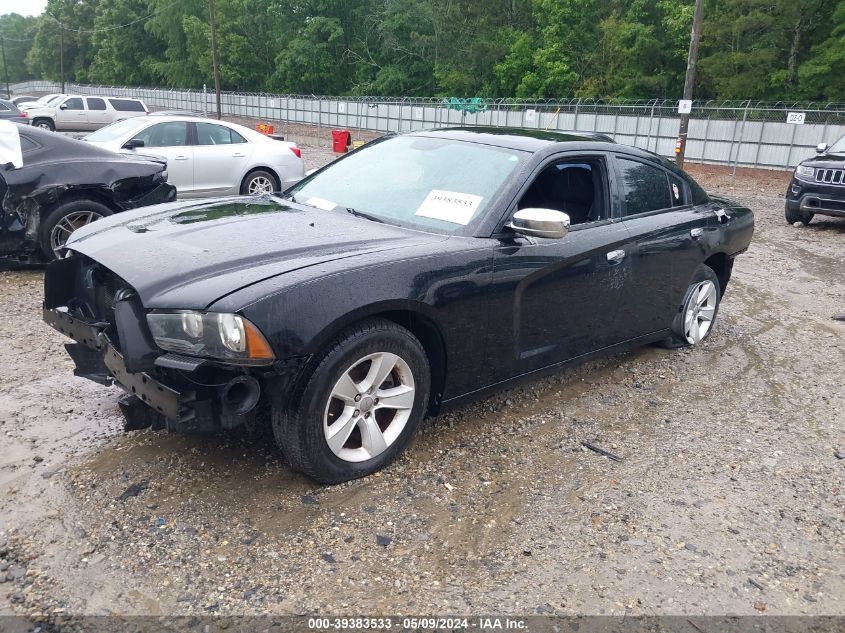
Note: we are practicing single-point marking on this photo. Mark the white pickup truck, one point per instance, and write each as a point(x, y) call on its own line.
point(78, 113)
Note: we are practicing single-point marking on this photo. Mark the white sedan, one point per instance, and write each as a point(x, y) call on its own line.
point(207, 158)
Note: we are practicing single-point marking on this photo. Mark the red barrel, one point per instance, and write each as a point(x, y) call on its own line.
point(341, 139)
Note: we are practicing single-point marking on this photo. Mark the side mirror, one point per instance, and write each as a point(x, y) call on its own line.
point(63, 106)
point(821, 148)
point(546, 223)
point(133, 143)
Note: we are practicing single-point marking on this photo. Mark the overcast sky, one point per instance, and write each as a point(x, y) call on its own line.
point(24, 7)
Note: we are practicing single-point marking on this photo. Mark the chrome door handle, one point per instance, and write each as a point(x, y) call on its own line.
point(615, 256)
point(180, 158)
point(696, 233)
point(238, 155)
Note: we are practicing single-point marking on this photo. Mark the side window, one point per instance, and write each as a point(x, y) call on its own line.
point(4, 107)
point(170, 134)
point(677, 191)
point(127, 105)
point(646, 188)
point(27, 144)
point(211, 134)
point(575, 187)
point(74, 103)
point(95, 103)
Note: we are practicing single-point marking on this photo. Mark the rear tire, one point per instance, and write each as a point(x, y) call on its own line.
point(44, 124)
point(57, 226)
point(259, 181)
point(358, 405)
point(697, 314)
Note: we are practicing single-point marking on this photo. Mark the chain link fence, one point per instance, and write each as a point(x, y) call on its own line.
point(737, 133)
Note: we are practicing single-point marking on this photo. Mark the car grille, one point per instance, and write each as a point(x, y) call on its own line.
point(831, 176)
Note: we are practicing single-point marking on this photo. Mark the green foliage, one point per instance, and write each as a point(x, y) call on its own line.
point(750, 49)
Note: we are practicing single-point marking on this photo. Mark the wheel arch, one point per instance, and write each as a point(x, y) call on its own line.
point(255, 168)
point(414, 317)
point(722, 265)
point(71, 194)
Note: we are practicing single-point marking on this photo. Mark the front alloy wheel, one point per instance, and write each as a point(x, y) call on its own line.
point(357, 405)
point(369, 407)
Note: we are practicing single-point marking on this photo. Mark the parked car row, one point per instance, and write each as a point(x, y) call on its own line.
point(78, 113)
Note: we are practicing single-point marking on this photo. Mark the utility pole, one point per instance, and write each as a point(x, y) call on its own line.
point(5, 66)
point(692, 61)
point(214, 62)
point(62, 54)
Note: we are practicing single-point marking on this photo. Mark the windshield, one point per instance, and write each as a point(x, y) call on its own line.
point(116, 130)
point(421, 182)
point(838, 147)
point(55, 100)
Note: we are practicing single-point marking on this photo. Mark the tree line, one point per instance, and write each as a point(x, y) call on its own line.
point(750, 49)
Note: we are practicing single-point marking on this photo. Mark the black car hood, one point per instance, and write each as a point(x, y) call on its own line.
point(826, 161)
point(188, 256)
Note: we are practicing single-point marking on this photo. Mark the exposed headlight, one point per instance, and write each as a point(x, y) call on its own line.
point(803, 170)
point(225, 337)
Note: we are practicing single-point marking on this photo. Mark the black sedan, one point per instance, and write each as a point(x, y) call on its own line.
point(818, 185)
point(65, 184)
point(417, 272)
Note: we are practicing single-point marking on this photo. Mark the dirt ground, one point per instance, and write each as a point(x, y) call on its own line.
point(728, 499)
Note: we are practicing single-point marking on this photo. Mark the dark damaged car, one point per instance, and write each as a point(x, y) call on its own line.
point(65, 184)
point(416, 273)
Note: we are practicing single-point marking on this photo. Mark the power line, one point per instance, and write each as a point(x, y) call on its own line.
point(111, 28)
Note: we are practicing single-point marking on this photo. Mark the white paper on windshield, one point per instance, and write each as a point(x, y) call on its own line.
point(320, 203)
point(10, 144)
point(449, 206)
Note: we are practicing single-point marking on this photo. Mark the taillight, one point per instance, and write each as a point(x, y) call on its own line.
point(24, 115)
point(296, 151)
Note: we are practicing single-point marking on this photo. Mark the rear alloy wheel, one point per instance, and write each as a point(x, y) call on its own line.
point(64, 220)
point(259, 182)
point(700, 311)
point(694, 321)
point(358, 405)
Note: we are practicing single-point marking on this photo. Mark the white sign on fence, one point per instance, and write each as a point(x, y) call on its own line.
point(418, 113)
point(684, 106)
point(341, 107)
point(530, 116)
point(796, 118)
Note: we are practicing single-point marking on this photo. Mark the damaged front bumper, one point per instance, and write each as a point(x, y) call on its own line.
point(163, 389)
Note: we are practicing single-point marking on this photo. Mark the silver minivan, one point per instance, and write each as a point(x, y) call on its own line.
point(78, 113)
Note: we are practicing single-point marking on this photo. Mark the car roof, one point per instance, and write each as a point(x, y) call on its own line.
point(525, 139)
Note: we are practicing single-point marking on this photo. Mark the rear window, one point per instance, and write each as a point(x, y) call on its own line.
point(127, 105)
point(211, 134)
point(27, 144)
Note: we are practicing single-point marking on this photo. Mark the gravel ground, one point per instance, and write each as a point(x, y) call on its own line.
point(728, 498)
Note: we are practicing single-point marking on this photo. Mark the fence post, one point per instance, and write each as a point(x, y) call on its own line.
point(741, 136)
point(650, 123)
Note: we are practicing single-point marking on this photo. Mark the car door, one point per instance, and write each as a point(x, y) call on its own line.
point(98, 114)
point(221, 158)
point(668, 241)
point(72, 115)
point(557, 299)
point(171, 140)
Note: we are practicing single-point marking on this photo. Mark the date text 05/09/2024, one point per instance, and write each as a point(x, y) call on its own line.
point(424, 623)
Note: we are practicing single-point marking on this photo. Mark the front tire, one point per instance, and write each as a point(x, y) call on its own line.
point(57, 226)
point(697, 314)
point(359, 405)
point(796, 215)
point(44, 124)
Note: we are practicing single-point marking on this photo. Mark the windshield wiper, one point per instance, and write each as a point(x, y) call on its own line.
point(361, 214)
